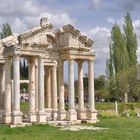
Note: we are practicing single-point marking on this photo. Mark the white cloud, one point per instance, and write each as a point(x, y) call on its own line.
point(59, 19)
point(23, 15)
point(100, 35)
point(16, 8)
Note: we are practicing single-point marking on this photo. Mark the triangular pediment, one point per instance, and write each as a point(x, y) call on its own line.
point(70, 38)
point(40, 36)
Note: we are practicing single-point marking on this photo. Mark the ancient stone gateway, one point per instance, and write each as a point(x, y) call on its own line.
point(46, 50)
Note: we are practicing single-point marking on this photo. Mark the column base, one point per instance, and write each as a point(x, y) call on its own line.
point(81, 114)
point(6, 117)
point(71, 115)
point(41, 117)
point(16, 117)
point(54, 114)
point(92, 116)
point(48, 114)
point(62, 115)
point(32, 117)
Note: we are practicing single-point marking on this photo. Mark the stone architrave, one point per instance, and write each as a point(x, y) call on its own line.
point(72, 114)
point(81, 114)
point(16, 114)
point(32, 111)
point(61, 106)
point(7, 93)
point(91, 112)
point(41, 113)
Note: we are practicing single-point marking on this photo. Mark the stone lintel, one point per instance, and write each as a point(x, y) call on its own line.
point(77, 57)
point(32, 52)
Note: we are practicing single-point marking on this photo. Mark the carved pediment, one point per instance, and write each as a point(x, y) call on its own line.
point(69, 37)
point(39, 40)
point(40, 36)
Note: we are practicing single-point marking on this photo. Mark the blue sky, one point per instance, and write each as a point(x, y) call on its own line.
point(92, 17)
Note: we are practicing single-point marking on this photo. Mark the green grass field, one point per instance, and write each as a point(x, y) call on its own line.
point(119, 129)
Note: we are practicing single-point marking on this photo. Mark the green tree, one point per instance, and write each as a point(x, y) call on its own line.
point(121, 66)
point(131, 39)
point(101, 91)
point(6, 31)
point(100, 82)
point(120, 54)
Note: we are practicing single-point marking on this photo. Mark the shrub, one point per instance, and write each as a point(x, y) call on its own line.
point(126, 106)
point(130, 112)
point(106, 114)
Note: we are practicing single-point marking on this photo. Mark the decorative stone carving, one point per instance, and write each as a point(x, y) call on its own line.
point(10, 41)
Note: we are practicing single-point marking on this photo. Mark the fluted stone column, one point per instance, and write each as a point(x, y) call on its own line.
point(48, 93)
point(48, 87)
point(7, 93)
point(32, 112)
point(16, 114)
point(54, 92)
point(36, 85)
point(81, 110)
point(61, 107)
point(72, 114)
point(91, 113)
point(2, 89)
point(41, 113)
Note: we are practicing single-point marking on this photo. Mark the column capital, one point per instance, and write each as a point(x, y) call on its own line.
point(79, 62)
point(36, 62)
point(8, 58)
point(31, 62)
point(71, 61)
point(54, 67)
point(40, 59)
point(16, 56)
point(60, 63)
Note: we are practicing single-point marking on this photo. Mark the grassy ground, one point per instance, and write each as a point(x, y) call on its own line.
point(99, 106)
point(111, 105)
point(119, 129)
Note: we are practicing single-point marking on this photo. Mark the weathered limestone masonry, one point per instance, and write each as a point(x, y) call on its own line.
point(46, 50)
